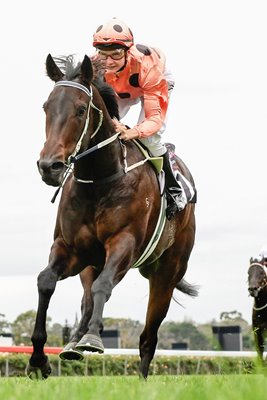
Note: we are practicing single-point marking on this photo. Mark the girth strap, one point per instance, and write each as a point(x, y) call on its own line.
point(156, 235)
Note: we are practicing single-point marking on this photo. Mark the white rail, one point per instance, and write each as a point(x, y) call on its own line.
point(183, 353)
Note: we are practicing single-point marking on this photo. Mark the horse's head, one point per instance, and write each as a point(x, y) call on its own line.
point(67, 116)
point(257, 278)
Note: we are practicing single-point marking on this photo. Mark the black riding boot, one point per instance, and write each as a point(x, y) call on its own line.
point(176, 200)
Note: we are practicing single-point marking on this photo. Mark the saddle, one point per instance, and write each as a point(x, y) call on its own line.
point(157, 163)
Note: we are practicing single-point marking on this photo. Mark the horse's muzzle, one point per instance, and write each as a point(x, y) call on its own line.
point(51, 171)
point(254, 291)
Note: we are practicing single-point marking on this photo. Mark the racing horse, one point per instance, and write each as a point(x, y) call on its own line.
point(257, 287)
point(110, 208)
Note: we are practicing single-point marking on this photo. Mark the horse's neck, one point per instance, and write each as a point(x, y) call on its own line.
point(104, 161)
point(108, 158)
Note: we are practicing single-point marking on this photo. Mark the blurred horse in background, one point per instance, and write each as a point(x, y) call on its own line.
point(257, 287)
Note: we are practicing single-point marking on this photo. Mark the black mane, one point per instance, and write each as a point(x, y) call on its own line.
point(72, 71)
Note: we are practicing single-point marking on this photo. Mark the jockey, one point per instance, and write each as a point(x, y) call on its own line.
point(138, 73)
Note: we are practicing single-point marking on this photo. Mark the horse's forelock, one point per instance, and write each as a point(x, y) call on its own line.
point(72, 70)
point(68, 66)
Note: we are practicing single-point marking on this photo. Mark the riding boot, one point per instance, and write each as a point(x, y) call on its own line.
point(176, 199)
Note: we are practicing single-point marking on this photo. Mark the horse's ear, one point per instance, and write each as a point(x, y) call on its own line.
point(86, 70)
point(52, 69)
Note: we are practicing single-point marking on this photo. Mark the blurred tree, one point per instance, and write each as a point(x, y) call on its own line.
point(230, 315)
point(187, 331)
point(22, 329)
point(197, 336)
point(54, 335)
point(129, 329)
point(4, 324)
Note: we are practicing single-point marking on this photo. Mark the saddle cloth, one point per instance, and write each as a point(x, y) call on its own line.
point(188, 189)
point(185, 185)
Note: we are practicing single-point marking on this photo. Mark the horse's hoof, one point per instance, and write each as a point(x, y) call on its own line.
point(37, 373)
point(71, 354)
point(90, 342)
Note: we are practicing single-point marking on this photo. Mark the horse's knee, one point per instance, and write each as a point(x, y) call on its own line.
point(46, 282)
point(102, 287)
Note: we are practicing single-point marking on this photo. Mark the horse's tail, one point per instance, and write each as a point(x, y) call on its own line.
point(187, 288)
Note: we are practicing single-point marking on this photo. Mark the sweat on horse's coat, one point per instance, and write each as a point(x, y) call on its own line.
point(103, 228)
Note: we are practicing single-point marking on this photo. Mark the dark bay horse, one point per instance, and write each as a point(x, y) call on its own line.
point(257, 287)
point(106, 218)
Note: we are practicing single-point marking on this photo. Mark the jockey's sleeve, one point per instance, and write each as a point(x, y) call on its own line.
point(155, 93)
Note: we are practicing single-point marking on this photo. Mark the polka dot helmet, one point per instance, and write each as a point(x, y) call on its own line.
point(114, 33)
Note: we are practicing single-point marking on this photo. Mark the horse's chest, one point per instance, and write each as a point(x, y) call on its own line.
point(260, 318)
point(77, 233)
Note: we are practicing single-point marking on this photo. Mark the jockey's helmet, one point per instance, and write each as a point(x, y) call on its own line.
point(113, 34)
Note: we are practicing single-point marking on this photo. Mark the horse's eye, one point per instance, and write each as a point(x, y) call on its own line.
point(45, 106)
point(80, 111)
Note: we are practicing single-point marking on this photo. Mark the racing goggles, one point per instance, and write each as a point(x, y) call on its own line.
point(116, 54)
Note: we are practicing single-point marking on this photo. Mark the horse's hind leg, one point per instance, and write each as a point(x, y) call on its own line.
point(158, 305)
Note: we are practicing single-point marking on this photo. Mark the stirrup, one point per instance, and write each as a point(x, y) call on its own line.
point(176, 201)
point(178, 197)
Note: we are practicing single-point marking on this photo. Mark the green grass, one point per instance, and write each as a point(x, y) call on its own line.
point(209, 387)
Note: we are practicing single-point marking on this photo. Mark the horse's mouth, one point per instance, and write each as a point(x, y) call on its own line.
point(254, 292)
point(51, 180)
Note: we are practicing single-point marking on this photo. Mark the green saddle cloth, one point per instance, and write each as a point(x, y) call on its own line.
point(156, 161)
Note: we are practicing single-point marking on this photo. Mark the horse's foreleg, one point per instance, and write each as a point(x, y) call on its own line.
point(117, 265)
point(259, 342)
point(70, 352)
point(158, 305)
point(39, 365)
point(101, 291)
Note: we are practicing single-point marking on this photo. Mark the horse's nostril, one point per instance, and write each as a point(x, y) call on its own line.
point(57, 166)
point(48, 167)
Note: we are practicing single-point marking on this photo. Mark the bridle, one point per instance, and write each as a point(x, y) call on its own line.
point(89, 93)
point(75, 156)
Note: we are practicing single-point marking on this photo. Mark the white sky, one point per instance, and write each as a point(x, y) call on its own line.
point(217, 120)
